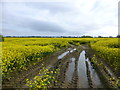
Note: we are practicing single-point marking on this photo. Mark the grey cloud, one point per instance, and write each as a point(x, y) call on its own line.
point(69, 18)
point(43, 26)
point(32, 24)
point(53, 7)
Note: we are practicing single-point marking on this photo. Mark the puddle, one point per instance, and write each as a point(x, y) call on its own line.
point(62, 55)
point(73, 50)
point(94, 76)
point(72, 59)
point(70, 70)
point(76, 72)
point(82, 75)
point(65, 53)
point(69, 48)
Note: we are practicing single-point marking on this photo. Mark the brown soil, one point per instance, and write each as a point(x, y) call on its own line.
point(103, 70)
point(52, 61)
point(19, 78)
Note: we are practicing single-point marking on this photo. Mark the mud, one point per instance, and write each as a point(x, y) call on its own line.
point(18, 79)
point(76, 70)
point(104, 71)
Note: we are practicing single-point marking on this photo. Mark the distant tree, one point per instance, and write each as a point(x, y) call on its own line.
point(1, 38)
point(118, 36)
point(110, 37)
point(99, 36)
point(86, 37)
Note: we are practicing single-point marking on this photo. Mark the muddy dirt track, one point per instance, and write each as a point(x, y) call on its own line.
point(76, 70)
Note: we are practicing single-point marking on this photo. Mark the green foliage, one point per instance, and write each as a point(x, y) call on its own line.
point(109, 51)
point(17, 53)
point(1, 38)
point(45, 80)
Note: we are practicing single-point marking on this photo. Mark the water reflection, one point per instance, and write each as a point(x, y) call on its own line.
point(82, 76)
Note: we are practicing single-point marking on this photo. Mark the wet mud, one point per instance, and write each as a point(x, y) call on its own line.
point(76, 70)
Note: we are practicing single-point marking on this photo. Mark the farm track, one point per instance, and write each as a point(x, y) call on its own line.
point(104, 70)
point(76, 70)
point(19, 79)
point(75, 75)
point(65, 68)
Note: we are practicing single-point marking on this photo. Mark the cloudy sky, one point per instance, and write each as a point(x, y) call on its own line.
point(73, 17)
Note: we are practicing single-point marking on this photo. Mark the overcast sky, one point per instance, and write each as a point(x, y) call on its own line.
point(76, 17)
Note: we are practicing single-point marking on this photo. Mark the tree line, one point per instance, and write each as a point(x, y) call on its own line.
point(84, 36)
point(1, 38)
